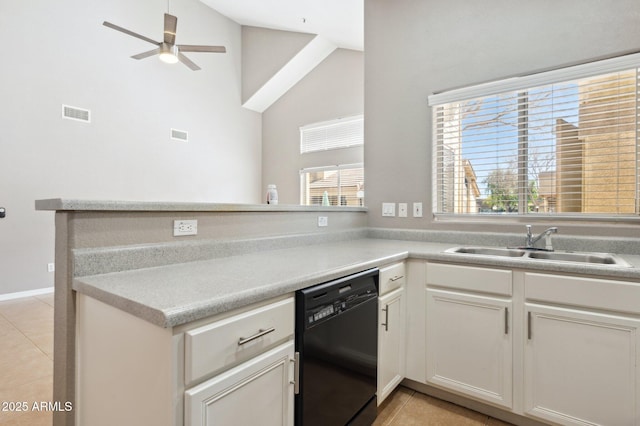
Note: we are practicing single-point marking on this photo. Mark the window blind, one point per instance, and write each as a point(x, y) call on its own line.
point(564, 147)
point(340, 133)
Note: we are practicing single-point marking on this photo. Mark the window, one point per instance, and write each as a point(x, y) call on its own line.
point(563, 142)
point(340, 133)
point(338, 185)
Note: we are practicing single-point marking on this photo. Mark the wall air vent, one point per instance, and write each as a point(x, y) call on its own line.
point(75, 113)
point(179, 135)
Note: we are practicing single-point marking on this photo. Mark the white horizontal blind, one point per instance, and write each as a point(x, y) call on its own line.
point(341, 185)
point(569, 147)
point(340, 133)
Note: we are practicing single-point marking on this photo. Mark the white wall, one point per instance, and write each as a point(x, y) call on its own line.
point(334, 89)
point(60, 53)
point(415, 48)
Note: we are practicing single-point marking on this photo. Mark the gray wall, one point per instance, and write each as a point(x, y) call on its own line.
point(59, 53)
point(334, 89)
point(264, 53)
point(415, 48)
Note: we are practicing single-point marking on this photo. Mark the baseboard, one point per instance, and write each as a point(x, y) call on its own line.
point(28, 293)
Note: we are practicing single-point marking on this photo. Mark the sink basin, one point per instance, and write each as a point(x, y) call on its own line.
point(488, 251)
point(558, 256)
point(597, 258)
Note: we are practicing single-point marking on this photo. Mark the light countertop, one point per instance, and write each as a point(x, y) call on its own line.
point(176, 294)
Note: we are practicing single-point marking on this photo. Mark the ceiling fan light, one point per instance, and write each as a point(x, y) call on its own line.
point(168, 54)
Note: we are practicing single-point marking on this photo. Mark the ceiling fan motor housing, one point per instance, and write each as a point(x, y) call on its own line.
point(169, 53)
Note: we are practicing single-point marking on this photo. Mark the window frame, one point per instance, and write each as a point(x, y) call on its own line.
point(518, 84)
point(337, 168)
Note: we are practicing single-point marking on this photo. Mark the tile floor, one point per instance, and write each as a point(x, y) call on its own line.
point(26, 360)
point(405, 407)
point(26, 375)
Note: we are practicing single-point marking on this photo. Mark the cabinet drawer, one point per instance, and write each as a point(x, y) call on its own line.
point(392, 277)
point(222, 344)
point(596, 293)
point(484, 280)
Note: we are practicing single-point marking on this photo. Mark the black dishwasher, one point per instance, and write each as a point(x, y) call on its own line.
point(337, 341)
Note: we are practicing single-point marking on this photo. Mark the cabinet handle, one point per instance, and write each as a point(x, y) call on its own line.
point(396, 278)
point(386, 318)
point(506, 320)
point(260, 333)
point(529, 325)
point(296, 373)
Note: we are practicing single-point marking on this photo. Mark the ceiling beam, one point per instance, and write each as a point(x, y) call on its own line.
point(291, 73)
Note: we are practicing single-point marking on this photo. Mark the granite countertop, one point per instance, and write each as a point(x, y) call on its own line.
point(172, 295)
point(64, 204)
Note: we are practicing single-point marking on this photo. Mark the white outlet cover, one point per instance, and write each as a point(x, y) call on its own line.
point(323, 221)
point(388, 209)
point(402, 209)
point(185, 227)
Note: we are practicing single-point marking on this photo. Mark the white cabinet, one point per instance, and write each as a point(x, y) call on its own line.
point(391, 342)
point(469, 345)
point(233, 369)
point(581, 365)
point(253, 382)
point(391, 329)
point(257, 392)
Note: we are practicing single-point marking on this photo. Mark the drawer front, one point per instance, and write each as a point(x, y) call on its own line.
point(484, 280)
point(392, 277)
point(596, 293)
point(215, 347)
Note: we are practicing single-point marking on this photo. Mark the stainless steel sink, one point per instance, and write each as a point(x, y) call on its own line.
point(488, 251)
point(557, 256)
point(595, 258)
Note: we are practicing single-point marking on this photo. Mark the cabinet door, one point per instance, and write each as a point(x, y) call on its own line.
point(581, 368)
point(391, 342)
point(258, 392)
point(469, 345)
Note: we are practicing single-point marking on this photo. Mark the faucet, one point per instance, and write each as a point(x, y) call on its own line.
point(531, 240)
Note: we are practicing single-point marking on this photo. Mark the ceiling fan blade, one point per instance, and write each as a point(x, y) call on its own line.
point(188, 62)
point(170, 25)
point(194, 48)
point(146, 54)
point(131, 33)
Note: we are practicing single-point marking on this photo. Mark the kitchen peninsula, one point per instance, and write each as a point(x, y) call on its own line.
point(121, 259)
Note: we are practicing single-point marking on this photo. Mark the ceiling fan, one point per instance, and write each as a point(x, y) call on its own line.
point(167, 49)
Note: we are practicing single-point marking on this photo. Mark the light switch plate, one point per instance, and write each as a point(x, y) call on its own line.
point(388, 209)
point(323, 221)
point(417, 209)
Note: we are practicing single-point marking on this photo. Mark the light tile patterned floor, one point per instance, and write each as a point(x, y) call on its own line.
point(405, 407)
point(26, 360)
point(26, 375)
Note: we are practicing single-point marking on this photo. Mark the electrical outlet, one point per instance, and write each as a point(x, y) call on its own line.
point(417, 209)
point(185, 227)
point(388, 209)
point(51, 267)
point(323, 221)
point(402, 209)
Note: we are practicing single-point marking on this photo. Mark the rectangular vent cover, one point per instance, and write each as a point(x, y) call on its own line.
point(179, 135)
point(75, 113)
